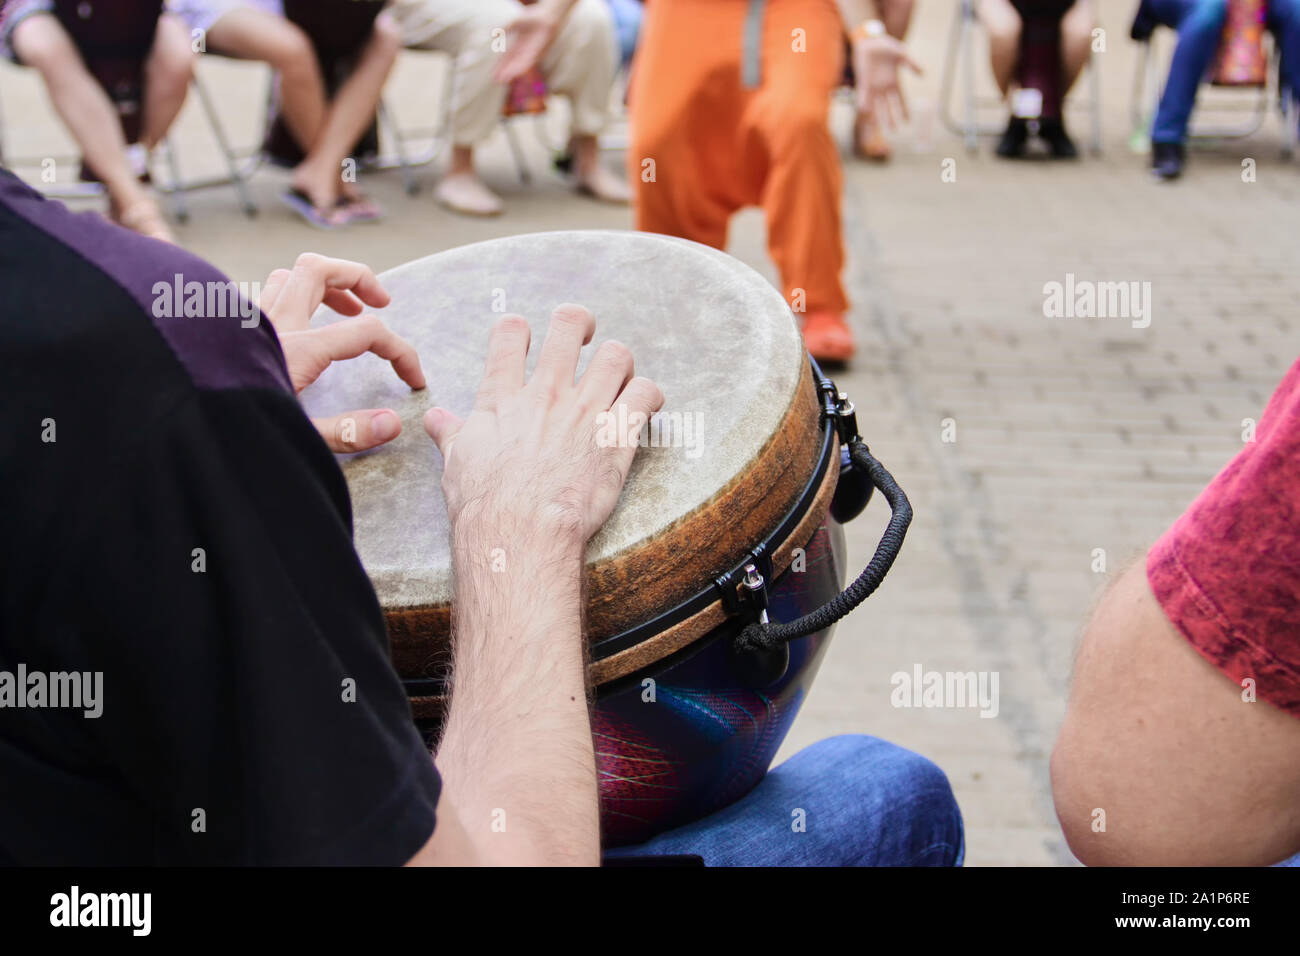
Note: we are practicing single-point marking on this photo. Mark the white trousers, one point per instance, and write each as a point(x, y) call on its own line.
point(579, 64)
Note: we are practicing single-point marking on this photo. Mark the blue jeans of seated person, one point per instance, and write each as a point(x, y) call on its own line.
point(1200, 27)
point(864, 802)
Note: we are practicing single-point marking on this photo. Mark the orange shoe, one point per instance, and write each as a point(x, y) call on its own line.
point(828, 337)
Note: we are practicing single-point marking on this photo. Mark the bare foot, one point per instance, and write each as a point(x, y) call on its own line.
point(869, 141)
point(466, 193)
point(321, 191)
point(144, 216)
point(604, 185)
point(357, 206)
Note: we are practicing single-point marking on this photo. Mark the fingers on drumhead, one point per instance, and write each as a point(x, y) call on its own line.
point(442, 427)
point(571, 328)
point(359, 430)
point(579, 315)
point(642, 395)
point(507, 355)
point(610, 369)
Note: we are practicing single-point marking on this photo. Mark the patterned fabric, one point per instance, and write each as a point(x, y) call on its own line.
point(1242, 60)
point(1228, 572)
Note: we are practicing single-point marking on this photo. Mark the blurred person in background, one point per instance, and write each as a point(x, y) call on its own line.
point(324, 129)
point(1200, 25)
point(32, 34)
point(1057, 35)
point(571, 43)
point(729, 111)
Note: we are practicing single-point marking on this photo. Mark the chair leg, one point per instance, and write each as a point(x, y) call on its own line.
point(970, 118)
point(1289, 131)
point(948, 80)
point(176, 191)
point(223, 144)
point(517, 151)
point(1139, 121)
point(1094, 80)
point(399, 146)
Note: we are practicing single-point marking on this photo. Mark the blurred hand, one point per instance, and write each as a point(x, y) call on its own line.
point(527, 38)
point(530, 459)
point(876, 62)
point(291, 296)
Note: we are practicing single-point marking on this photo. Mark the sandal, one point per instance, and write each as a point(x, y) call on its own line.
point(301, 203)
point(359, 208)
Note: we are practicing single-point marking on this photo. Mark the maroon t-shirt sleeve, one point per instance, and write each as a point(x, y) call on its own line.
point(1227, 573)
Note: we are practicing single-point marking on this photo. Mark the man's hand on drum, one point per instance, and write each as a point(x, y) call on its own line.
point(291, 296)
point(542, 455)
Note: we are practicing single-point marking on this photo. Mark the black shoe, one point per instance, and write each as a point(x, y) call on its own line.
point(1012, 145)
point(1054, 135)
point(1144, 23)
point(1167, 160)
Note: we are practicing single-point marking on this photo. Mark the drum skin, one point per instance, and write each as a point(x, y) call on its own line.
point(690, 736)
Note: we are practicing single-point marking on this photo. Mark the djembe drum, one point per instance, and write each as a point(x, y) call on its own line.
point(1241, 60)
point(708, 588)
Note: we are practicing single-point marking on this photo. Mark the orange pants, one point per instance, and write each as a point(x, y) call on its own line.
point(703, 145)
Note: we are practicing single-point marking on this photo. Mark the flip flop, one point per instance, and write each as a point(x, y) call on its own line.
point(301, 203)
point(360, 209)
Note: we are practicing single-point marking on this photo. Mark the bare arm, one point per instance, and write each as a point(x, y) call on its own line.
point(527, 484)
point(1186, 771)
point(895, 14)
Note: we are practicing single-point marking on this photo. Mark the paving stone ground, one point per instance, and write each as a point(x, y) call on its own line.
point(1071, 435)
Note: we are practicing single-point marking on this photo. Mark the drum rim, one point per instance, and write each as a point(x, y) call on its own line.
point(429, 688)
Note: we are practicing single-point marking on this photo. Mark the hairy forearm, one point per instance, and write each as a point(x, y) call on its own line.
point(517, 756)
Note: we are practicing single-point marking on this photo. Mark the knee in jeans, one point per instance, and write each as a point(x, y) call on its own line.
point(913, 772)
point(1214, 11)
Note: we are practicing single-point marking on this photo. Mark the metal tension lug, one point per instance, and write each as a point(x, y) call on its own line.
point(839, 410)
point(744, 590)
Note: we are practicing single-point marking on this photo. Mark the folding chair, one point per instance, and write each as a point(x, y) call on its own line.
point(114, 42)
point(1148, 88)
point(519, 105)
point(961, 58)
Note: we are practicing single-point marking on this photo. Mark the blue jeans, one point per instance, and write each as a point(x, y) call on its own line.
point(627, 25)
point(845, 801)
point(1200, 26)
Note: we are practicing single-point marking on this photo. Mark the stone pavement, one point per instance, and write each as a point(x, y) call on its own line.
point(1026, 443)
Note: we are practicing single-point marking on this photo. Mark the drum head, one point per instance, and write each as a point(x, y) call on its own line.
point(718, 339)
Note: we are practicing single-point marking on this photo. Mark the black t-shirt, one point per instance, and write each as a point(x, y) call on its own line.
point(171, 521)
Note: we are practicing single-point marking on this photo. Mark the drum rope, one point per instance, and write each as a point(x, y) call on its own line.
point(759, 635)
